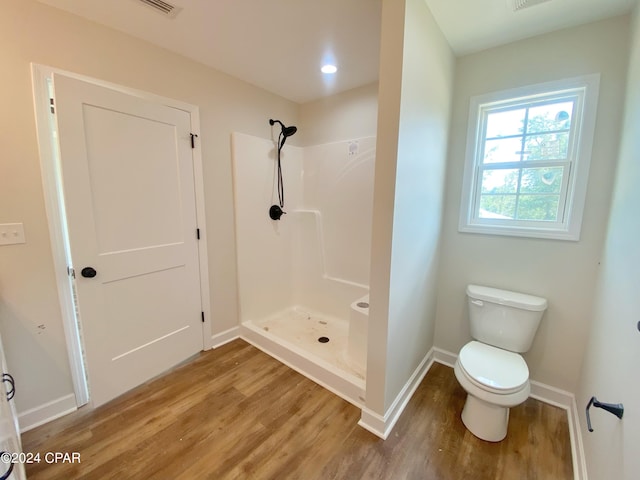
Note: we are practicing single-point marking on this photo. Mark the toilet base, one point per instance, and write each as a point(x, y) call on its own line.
point(486, 421)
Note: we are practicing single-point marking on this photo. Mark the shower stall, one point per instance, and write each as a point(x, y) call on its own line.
point(303, 279)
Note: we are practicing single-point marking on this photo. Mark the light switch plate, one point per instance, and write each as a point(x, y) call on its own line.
point(11, 233)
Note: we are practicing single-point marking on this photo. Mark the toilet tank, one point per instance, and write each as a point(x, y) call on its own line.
point(504, 319)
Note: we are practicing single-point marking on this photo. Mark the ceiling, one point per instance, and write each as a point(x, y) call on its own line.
point(474, 25)
point(279, 45)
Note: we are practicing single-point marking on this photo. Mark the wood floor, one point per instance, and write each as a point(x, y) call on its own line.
point(236, 413)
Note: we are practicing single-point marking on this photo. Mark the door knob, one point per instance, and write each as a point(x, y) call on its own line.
point(88, 272)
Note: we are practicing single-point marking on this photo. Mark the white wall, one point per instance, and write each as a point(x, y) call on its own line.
point(330, 181)
point(339, 186)
point(563, 272)
point(610, 369)
point(344, 116)
point(327, 126)
point(30, 316)
point(415, 89)
point(317, 256)
point(264, 246)
point(338, 182)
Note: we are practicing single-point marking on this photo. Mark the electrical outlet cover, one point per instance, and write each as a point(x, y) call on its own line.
point(12, 233)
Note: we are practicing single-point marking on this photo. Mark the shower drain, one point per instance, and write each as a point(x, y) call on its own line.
point(323, 339)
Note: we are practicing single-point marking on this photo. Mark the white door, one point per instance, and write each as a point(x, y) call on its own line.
point(128, 183)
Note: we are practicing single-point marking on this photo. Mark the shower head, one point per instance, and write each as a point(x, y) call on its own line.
point(285, 131)
point(288, 131)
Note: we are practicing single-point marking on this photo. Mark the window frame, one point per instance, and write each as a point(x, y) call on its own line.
point(573, 191)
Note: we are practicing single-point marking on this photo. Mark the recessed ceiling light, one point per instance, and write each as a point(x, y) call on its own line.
point(329, 69)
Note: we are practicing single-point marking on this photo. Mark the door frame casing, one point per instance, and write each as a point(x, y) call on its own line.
point(41, 75)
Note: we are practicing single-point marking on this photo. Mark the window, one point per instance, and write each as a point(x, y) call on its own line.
point(527, 162)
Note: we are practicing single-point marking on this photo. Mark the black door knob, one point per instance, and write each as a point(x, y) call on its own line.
point(88, 272)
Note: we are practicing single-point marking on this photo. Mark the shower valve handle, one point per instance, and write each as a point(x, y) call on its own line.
point(275, 212)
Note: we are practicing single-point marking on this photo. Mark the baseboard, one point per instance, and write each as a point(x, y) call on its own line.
point(47, 412)
point(577, 447)
point(374, 423)
point(444, 357)
point(227, 336)
point(382, 426)
point(553, 396)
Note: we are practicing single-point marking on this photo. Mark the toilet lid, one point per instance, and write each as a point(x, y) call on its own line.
point(493, 368)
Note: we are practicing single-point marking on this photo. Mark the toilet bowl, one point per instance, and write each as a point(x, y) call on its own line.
point(490, 367)
point(495, 380)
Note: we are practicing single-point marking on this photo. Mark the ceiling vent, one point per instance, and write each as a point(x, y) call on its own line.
point(166, 9)
point(522, 4)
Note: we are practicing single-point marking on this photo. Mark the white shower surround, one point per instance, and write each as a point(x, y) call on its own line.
point(315, 259)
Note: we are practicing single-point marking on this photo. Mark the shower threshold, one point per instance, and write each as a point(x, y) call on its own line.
point(314, 345)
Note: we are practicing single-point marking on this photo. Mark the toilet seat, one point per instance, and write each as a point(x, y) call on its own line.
point(493, 369)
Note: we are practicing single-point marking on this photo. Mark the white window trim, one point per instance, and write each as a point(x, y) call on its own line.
point(569, 228)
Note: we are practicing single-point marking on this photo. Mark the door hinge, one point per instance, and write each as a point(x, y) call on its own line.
point(71, 272)
point(52, 105)
point(198, 233)
point(193, 141)
point(202, 317)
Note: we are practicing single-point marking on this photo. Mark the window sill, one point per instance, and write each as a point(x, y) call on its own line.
point(509, 231)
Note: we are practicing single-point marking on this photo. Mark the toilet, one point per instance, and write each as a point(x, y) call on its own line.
point(490, 367)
